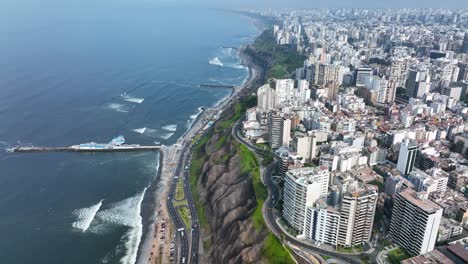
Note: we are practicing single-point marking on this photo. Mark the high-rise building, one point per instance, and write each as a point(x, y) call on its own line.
point(415, 222)
point(286, 132)
point(330, 76)
point(266, 97)
point(358, 205)
point(413, 80)
point(407, 156)
point(306, 147)
point(284, 89)
point(399, 72)
point(465, 43)
point(362, 76)
point(454, 92)
point(302, 188)
point(275, 130)
point(321, 223)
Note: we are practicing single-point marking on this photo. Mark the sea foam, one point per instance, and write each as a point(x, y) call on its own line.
point(215, 61)
point(85, 216)
point(139, 130)
point(132, 99)
point(125, 213)
point(166, 136)
point(117, 107)
point(171, 128)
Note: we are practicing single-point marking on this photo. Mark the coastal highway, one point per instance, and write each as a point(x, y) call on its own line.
point(182, 254)
point(269, 211)
point(195, 233)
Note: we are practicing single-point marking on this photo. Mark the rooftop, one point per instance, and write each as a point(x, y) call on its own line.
point(423, 203)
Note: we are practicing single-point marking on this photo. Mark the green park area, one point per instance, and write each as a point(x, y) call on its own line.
point(395, 256)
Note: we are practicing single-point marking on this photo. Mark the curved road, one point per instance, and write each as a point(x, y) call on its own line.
point(269, 206)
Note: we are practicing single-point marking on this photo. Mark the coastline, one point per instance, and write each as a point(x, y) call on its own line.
point(149, 217)
point(148, 249)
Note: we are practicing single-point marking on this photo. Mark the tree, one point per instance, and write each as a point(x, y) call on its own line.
point(457, 146)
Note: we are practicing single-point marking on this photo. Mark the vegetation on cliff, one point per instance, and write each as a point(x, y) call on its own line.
point(229, 194)
point(282, 61)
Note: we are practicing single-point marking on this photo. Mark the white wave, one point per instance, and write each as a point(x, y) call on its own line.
point(117, 107)
point(86, 216)
point(194, 116)
point(132, 99)
point(215, 61)
point(171, 128)
point(235, 66)
point(139, 130)
point(157, 142)
point(228, 52)
point(220, 101)
point(127, 213)
point(166, 136)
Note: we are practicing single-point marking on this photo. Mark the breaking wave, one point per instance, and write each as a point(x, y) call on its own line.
point(124, 213)
point(132, 99)
point(139, 130)
point(171, 128)
point(117, 107)
point(194, 116)
point(166, 136)
point(220, 101)
point(86, 216)
point(235, 66)
point(215, 61)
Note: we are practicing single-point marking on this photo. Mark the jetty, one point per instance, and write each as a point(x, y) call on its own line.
point(116, 145)
point(217, 86)
point(74, 149)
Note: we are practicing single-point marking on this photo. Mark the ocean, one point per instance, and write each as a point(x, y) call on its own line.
point(86, 72)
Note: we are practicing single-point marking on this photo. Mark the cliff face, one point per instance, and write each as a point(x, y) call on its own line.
point(229, 201)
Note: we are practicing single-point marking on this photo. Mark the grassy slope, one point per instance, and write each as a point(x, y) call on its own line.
point(285, 61)
point(272, 248)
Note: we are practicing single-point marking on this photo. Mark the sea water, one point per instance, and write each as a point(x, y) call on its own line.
point(87, 71)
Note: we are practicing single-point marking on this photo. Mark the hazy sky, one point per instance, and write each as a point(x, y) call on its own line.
point(330, 3)
point(241, 4)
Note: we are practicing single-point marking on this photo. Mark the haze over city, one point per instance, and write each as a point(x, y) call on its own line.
point(157, 131)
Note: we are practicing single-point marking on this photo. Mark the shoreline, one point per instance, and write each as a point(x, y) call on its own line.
point(149, 248)
point(149, 217)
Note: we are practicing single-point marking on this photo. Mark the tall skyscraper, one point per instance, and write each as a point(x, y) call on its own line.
point(415, 222)
point(407, 156)
point(266, 97)
point(302, 188)
point(357, 214)
point(275, 130)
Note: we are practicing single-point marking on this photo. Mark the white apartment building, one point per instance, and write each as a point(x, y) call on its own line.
point(415, 222)
point(306, 147)
point(321, 223)
point(423, 182)
point(407, 156)
point(302, 188)
point(358, 205)
point(284, 90)
point(266, 97)
point(275, 130)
